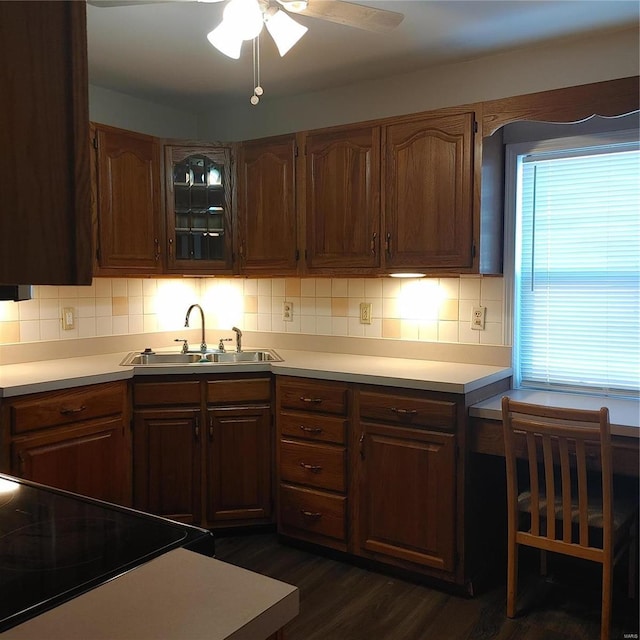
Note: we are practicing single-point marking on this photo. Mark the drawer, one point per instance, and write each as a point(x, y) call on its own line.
point(55, 408)
point(313, 427)
point(406, 410)
point(236, 391)
point(161, 393)
point(313, 511)
point(316, 465)
point(313, 396)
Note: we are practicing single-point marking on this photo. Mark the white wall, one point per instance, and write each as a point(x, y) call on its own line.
point(124, 111)
point(527, 70)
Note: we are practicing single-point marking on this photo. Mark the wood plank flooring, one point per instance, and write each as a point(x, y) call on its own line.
point(340, 601)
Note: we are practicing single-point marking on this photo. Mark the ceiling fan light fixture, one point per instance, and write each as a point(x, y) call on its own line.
point(244, 18)
point(225, 40)
point(284, 30)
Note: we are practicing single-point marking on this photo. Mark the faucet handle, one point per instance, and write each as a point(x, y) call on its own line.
point(185, 344)
point(221, 343)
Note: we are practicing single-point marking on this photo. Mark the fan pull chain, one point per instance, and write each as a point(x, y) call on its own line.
point(257, 89)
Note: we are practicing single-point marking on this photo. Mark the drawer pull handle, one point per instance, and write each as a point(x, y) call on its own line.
point(311, 429)
point(311, 514)
point(404, 412)
point(314, 400)
point(68, 412)
point(314, 468)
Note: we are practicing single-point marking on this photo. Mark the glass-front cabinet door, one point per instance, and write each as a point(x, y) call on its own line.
point(199, 220)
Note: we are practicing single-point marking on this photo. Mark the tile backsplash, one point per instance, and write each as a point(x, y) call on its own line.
point(429, 309)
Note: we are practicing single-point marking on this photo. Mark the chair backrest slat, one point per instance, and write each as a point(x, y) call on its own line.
point(565, 470)
point(581, 465)
point(549, 483)
point(534, 486)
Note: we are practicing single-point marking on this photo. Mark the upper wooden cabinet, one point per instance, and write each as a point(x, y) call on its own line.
point(428, 193)
point(198, 209)
point(343, 199)
point(129, 207)
point(45, 224)
point(267, 219)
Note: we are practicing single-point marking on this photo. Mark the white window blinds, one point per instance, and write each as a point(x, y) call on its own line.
point(577, 271)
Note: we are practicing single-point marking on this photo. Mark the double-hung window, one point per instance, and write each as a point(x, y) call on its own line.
point(576, 257)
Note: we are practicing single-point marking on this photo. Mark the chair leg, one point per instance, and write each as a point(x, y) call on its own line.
point(512, 577)
point(607, 583)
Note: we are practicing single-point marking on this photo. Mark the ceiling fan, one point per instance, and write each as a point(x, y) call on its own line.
point(243, 20)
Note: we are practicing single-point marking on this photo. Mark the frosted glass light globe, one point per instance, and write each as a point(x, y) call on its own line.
point(244, 17)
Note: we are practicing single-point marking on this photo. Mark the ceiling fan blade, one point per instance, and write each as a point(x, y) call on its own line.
point(353, 15)
point(132, 3)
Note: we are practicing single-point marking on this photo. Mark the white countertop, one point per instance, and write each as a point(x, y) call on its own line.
point(624, 413)
point(430, 375)
point(181, 595)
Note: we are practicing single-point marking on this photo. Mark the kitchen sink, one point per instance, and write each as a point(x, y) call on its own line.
point(168, 358)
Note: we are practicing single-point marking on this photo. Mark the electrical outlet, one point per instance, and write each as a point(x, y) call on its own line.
point(67, 318)
point(477, 318)
point(287, 311)
point(365, 312)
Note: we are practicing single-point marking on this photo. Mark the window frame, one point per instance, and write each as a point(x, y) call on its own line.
point(513, 152)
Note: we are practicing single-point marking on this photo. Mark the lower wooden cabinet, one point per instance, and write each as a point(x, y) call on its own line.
point(74, 439)
point(407, 504)
point(372, 471)
point(203, 449)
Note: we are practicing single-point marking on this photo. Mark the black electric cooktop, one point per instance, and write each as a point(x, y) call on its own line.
point(55, 545)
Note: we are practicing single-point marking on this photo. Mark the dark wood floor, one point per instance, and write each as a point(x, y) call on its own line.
point(339, 601)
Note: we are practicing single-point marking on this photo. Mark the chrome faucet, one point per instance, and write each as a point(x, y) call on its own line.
point(238, 338)
point(203, 343)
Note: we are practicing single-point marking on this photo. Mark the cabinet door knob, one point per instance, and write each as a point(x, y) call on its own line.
point(373, 243)
point(361, 446)
point(387, 244)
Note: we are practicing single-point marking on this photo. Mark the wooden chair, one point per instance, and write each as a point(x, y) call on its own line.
point(568, 454)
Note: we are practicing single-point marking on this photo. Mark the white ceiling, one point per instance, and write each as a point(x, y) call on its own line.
point(160, 52)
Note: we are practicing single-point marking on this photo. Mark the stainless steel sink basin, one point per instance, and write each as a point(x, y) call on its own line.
point(168, 358)
point(244, 356)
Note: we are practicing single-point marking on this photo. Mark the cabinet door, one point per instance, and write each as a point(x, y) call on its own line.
point(407, 496)
point(428, 199)
point(129, 207)
point(90, 458)
point(45, 225)
point(267, 228)
point(199, 217)
point(342, 200)
point(239, 464)
point(166, 463)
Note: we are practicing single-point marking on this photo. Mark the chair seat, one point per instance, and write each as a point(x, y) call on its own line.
point(623, 509)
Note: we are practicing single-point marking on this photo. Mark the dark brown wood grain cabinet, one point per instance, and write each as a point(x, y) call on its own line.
point(130, 217)
point(407, 480)
point(428, 193)
point(267, 215)
point(45, 221)
point(203, 449)
point(342, 214)
point(75, 439)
